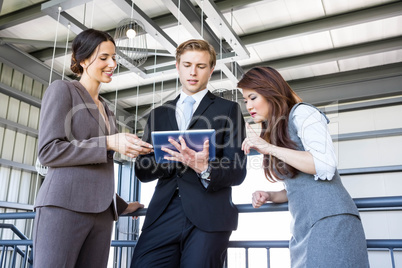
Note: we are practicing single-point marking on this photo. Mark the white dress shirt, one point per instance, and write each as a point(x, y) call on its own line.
point(180, 117)
point(180, 103)
point(313, 131)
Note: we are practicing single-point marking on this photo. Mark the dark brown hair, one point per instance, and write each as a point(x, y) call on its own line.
point(84, 44)
point(267, 82)
point(198, 45)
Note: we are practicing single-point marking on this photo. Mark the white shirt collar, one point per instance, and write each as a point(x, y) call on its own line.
point(179, 105)
point(197, 97)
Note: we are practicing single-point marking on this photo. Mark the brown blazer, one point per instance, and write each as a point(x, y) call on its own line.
point(72, 143)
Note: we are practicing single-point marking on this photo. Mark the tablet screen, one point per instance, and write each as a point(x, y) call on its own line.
point(194, 138)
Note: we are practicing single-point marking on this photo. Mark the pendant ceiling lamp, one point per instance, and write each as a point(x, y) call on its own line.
point(131, 42)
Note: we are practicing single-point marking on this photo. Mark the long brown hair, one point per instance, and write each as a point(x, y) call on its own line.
point(267, 82)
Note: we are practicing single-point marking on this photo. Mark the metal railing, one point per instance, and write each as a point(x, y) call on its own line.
point(10, 251)
point(22, 248)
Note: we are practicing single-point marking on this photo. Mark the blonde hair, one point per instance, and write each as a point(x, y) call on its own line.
point(198, 45)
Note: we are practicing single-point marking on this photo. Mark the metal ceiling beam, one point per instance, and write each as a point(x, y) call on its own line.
point(315, 89)
point(342, 53)
point(303, 60)
point(352, 18)
point(227, 6)
point(325, 24)
point(44, 54)
point(168, 20)
point(330, 97)
point(47, 53)
point(188, 10)
point(150, 26)
point(164, 21)
point(26, 64)
point(362, 84)
point(147, 89)
point(341, 78)
point(21, 16)
point(132, 92)
point(336, 54)
point(357, 91)
point(52, 7)
point(233, 71)
point(155, 70)
point(190, 18)
point(358, 106)
point(219, 21)
point(37, 43)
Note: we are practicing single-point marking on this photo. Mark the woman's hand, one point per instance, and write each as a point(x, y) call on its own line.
point(300, 160)
point(259, 198)
point(128, 144)
point(254, 141)
point(133, 206)
point(198, 161)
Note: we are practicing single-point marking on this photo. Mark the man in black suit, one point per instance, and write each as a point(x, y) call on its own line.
point(191, 215)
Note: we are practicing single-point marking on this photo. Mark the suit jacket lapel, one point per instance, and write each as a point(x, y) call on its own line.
point(91, 106)
point(208, 99)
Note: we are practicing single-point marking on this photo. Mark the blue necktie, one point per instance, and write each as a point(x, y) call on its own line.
point(187, 111)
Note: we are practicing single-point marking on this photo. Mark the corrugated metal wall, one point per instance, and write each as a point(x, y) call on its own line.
point(19, 182)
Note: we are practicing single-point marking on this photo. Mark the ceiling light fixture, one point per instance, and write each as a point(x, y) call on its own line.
point(131, 43)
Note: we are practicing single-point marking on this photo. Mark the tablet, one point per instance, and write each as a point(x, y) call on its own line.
point(194, 138)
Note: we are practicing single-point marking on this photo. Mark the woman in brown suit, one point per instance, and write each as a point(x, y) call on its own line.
point(76, 204)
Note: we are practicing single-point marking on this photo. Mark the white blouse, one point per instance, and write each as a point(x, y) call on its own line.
point(313, 131)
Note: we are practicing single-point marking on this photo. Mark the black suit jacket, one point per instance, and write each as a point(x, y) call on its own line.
point(210, 209)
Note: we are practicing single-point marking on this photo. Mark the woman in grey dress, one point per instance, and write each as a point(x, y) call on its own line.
point(298, 150)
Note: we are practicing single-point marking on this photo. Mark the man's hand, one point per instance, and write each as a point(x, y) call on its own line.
point(198, 161)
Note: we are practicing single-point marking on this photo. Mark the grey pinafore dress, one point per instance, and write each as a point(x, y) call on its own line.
point(326, 227)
